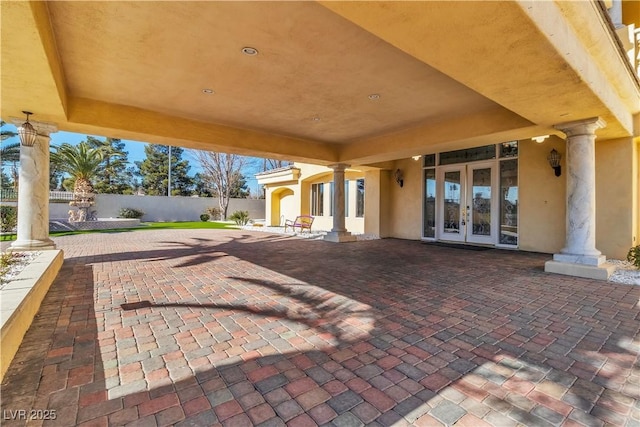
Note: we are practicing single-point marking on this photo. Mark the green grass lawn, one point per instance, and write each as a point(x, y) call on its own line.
point(191, 225)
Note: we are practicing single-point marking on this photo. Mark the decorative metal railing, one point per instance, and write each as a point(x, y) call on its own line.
point(11, 195)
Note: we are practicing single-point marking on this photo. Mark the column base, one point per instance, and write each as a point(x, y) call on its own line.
point(592, 260)
point(599, 272)
point(339, 237)
point(32, 245)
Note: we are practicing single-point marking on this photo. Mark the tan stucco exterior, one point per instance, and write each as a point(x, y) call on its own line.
point(542, 195)
point(617, 196)
point(394, 211)
point(342, 82)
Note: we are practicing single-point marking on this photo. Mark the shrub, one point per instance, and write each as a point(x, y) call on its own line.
point(130, 213)
point(8, 218)
point(6, 260)
point(214, 213)
point(634, 256)
point(204, 217)
point(240, 217)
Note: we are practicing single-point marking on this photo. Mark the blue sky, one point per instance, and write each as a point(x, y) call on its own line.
point(135, 150)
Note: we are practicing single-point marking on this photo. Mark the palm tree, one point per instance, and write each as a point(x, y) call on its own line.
point(82, 163)
point(10, 152)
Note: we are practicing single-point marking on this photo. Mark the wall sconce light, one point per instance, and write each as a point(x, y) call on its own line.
point(27, 133)
point(554, 161)
point(416, 158)
point(399, 177)
point(540, 139)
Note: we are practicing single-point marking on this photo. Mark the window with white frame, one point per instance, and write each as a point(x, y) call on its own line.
point(317, 199)
point(331, 207)
point(360, 198)
point(346, 198)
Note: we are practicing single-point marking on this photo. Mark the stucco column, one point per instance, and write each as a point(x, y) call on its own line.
point(339, 232)
point(580, 257)
point(33, 193)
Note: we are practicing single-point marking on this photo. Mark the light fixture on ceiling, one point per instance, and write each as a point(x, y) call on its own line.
point(554, 161)
point(374, 96)
point(208, 91)
point(416, 158)
point(27, 133)
point(315, 119)
point(540, 139)
point(251, 51)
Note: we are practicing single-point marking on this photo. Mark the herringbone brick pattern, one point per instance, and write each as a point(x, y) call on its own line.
point(235, 328)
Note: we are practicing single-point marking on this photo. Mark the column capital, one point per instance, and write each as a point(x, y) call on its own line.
point(338, 166)
point(43, 128)
point(581, 127)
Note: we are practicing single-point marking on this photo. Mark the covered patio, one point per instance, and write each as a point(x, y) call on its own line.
point(234, 328)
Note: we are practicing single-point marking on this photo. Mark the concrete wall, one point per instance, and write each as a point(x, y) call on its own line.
point(161, 208)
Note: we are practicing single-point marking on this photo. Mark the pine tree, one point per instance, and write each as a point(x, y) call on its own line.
point(239, 188)
point(154, 171)
point(113, 176)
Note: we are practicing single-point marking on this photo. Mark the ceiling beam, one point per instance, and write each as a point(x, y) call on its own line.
point(31, 75)
point(125, 122)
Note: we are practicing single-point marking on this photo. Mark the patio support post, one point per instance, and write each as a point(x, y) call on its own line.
point(339, 232)
point(580, 257)
point(33, 192)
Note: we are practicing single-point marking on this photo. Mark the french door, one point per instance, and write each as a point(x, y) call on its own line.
point(468, 203)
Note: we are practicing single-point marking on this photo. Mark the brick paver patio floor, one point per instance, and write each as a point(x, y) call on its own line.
point(236, 328)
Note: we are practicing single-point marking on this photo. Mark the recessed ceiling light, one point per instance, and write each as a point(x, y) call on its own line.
point(251, 51)
point(208, 91)
point(374, 96)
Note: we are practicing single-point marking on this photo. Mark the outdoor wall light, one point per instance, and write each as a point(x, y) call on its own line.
point(399, 177)
point(540, 139)
point(27, 132)
point(554, 161)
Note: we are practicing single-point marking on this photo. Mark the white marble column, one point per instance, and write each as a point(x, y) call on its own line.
point(339, 232)
point(33, 193)
point(580, 257)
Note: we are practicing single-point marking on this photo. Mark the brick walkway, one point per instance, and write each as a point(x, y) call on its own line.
point(237, 328)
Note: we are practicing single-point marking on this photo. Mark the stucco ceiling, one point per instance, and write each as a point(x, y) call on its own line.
point(138, 70)
point(311, 64)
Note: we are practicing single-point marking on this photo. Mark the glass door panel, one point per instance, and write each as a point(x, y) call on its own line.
point(480, 204)
point(509, 202)
point(429, 203)
point(452, 219)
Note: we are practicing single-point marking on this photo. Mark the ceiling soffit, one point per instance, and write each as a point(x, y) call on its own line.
point(524, 55)
point(311, 79)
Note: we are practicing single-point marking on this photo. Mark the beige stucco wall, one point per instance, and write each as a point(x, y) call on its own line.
point(542, 221)
point(377, 208)
point(281, 203)
point(541, 193)
point(406, 202)
point(324, 175)
point(392, 211)
point(616, 202)
point(636, 191)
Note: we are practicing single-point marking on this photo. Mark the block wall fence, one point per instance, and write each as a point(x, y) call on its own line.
point(160, 208)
